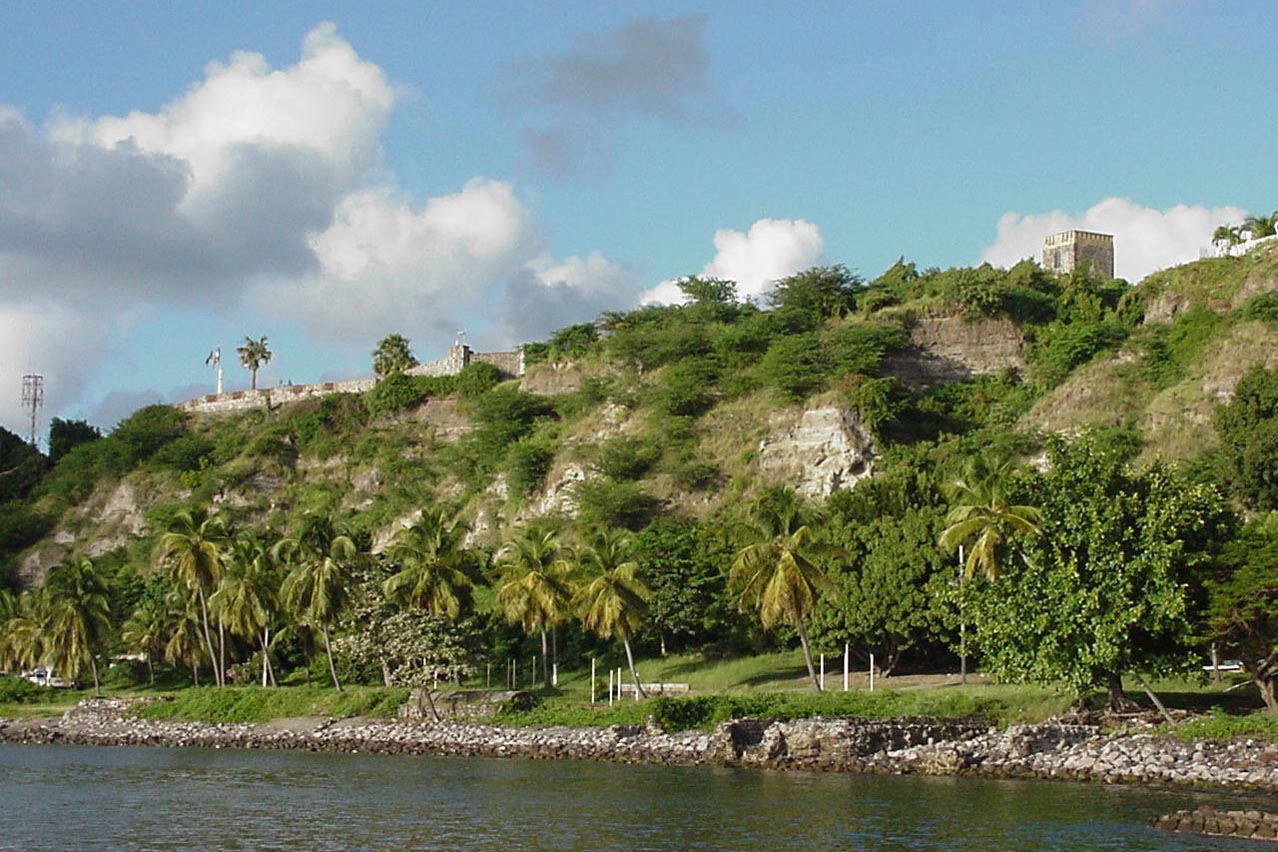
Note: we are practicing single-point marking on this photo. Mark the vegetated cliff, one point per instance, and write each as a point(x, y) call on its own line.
point(618, 433)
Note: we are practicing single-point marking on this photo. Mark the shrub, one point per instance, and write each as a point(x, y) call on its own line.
point(1263, 308)
point(396, 392)
point(615, 504)
point(477, 379)
point(527, 463)
point(139, 436)
point(626, 458)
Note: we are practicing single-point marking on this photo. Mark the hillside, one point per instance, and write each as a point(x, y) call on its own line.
point(690, 410)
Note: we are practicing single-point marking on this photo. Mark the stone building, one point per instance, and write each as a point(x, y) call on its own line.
point(1064, 251)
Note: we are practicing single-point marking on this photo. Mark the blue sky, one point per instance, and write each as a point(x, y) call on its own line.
point(176, 176)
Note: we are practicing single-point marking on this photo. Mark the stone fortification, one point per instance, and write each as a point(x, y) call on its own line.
point(458, 357)
point(1063, 252)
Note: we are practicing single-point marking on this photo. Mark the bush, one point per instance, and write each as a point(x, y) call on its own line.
point(527, 464)
point(626, 458)
point(15, 690)
point(615, 504)
point(396, 392)
point(1263, 308)
point(477, 379)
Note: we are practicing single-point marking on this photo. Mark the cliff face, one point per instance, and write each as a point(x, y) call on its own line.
point(817, 451)
point(951, 349)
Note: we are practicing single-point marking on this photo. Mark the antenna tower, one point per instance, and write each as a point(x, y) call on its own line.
point(32, 398)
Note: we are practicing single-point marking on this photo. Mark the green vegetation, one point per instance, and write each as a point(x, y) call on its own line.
point(620, 502)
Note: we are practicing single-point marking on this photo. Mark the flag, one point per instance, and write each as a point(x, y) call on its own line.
point(215, 357)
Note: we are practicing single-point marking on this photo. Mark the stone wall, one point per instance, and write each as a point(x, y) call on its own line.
point(458, 357)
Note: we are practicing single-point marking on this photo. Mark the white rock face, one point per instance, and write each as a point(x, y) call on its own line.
point(823, 450)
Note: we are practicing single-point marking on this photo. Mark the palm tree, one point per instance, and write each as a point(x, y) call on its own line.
point(145, 630)
point(612, 600)
point(79, 619)
point(392, 355)
point(191, 549)
point(182, 626)
point(22, 643)
point(1226, 237)
point(253, 354)
point(433, 570)
point(536, 584)
point(777, 575)
point(321, 559)
point(1261, 226)
point(982, 515)
point(247, 599)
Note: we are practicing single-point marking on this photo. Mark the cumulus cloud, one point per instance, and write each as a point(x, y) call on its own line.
point(644, 69)
point(770, 250)
point(1145, 239)
point(384, 264)
point(553, 294)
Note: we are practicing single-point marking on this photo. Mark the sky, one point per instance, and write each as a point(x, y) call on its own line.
point(178, 176)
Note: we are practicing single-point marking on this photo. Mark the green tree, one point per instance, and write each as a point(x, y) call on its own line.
point(777, 575)
point(1260, 226)
point(183, 622)
point(247, 597)
point(434, 571)
point(1243, 604)
point(1248, 431)
point(1226, 237)
point(1108, 588)
point(146, 630)
point(612, 599)
point(983, 515)
point(66, 435)
point(79, 619)
point(684, 569)
point(321, 559)
point(22, 640)
point(191, 549)
point(804, 300)
point(536, 585)
point(392, 355)
point(253, 355)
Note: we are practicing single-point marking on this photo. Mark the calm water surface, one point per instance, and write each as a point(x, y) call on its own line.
point(133, 799)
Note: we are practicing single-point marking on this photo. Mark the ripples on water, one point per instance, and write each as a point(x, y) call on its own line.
point(136, 799)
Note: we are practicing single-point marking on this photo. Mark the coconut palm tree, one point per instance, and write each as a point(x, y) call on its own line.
point(433, 570)
point(982, 515)
point(777, 575)
point(392, 355)
point(612, 600)
point(1261, 226)
point(191, 549)
point(1226, 237)
point(145, 630)
point(253, 355)
point(22, 634)
point(535, 586)
point(79, 619)
point(247, 598)
point(182, 619)
point(321, 559)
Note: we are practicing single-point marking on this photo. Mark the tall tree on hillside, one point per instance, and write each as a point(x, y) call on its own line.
point(536, 586)
point(321, 560)
point(434, 571)
point(191, 549)
point(613, 600)
point(777, 575)
point(247, 598)
point(79, 619)
point(983, 516)
point(253, 355)
point(392, 355)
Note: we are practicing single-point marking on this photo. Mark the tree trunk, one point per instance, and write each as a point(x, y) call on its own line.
point(97, 687)
point(208, 636)
point(266, 656)
point(807, 654)
point(332, 668)
point(545, 660)
point(630, 660)
point(150, 669)
point(221, 651)
point(1115, 701)
point(1265, 685)
point(1154, 698)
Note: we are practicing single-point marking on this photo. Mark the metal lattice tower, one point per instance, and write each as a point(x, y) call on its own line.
point(32, 398)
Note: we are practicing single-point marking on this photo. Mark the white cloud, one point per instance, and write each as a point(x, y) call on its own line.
point(1145, 239)
point(772, 249)
point(385, 266)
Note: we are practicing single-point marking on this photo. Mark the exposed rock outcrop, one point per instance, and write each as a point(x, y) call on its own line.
point(950, 349)
point(824, 449)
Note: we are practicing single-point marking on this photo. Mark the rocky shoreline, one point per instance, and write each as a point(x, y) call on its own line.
point(924, 746)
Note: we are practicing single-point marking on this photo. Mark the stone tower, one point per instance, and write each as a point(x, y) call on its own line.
point(1064, 251)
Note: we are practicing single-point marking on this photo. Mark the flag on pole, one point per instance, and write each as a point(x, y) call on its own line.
point(215, 357)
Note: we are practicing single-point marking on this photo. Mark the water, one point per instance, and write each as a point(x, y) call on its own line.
point(134, 799)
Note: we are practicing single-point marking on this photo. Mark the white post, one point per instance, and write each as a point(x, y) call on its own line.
point(822, 680)
point(488, 675)
point(847, 652)
point(554, 674)
point(871, 673)
point(592, 680)
point(609, 687)
point(532, 684)
point(219, 377)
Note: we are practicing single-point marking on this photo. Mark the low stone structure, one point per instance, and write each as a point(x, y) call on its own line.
point(1243, 825)
point(924, 746)
point(462, 704)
